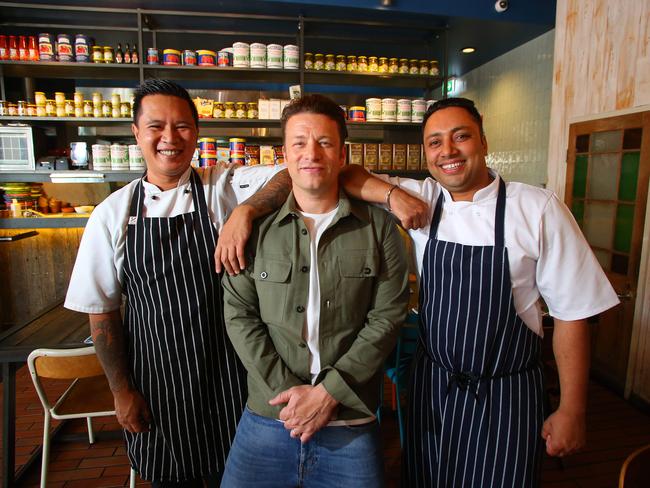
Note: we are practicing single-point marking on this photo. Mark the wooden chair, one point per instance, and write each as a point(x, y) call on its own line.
point(87, 396)
point(635, 472)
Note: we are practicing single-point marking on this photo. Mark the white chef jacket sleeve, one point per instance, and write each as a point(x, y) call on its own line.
point(95, 282)
point(568, 275)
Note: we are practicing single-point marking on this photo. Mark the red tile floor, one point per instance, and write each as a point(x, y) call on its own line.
point(615, 429)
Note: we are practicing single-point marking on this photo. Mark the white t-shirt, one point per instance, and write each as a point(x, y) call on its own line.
point(95, 284)
point(547, 252)
point(316, 224)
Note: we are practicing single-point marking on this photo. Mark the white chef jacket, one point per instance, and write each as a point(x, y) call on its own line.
point(547, 252)
point(95, 284)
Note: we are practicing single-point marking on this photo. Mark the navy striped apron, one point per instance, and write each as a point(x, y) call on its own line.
point(179, 355)
point(475, 401)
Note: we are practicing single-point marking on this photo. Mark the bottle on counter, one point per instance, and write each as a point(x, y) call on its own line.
point(16, 208)
point(134, 55)
point(127, 54)
point(119, 56)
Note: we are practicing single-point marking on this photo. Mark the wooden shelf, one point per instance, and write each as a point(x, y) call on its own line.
point(54, 69)
point(44, 176)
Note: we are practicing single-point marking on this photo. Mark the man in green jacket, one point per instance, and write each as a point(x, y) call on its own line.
point(313, 318)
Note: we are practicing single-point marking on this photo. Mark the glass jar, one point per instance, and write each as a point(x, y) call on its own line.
point(340, 62)
point(60, 110)
point(88, 108)
point(251, 110)
point(433, 68)
point(97, 111)
point(3, 108)
point(319, 62)
point(330, 64)
point(218, 110)
point(240, 110)
point(125, 109)
point(78, 110)
point(40, 111)
point(59, 98)
point(373, 66)
point(115, 111)
point(424, 67)
point(383, 65)
point(393, 67)
point(362, 63)
point(108, 54)
point(39, 98)
point(97, 99)
point(50, 108)
point(403, 66)
point(69, 108)
point(107, 109)
point(309, 61)
point(31, 109)
point(98, 54)
point(351, 64)
point(230, 110)
point(12, 109)
point(414, 67)
point(22, 108)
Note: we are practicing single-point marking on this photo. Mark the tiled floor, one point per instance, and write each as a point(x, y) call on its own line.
point(615, 430)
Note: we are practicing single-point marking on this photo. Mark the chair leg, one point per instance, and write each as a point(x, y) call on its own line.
point(45, 454)
point(132, 478)
point(91, 435)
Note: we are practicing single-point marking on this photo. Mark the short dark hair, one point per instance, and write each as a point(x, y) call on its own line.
point(464, 103)
point(156, 86)
point(316, 104)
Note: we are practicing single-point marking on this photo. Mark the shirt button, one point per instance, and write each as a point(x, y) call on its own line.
point(366, 270)
point(303, 232)
point(304, 269)
point(264, 275)
point(300, 309)
point(302, 344)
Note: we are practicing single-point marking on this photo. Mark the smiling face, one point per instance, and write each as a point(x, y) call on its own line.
point(455, 152)
point(314, 154)
point(166, 132)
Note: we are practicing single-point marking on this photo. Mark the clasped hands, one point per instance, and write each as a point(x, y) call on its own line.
point(308, 409)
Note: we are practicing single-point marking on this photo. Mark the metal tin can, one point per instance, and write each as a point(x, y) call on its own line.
point(237, 146)
point(107, 109)
point(208, 145)
point(258, 55)
point(206, 57)
point(125, 110)
point(64, 49)
point(238, 159)
point(46, 47)
point(240, 111)
point(59, 98)
point(224, 58)
point(171, 57)
point(153, 56)
point(39, 98)
point(109, 57)
point(88, 108)
point(330, 64)
point(69, 108)
point(189, 57)
point(50, 108)
point(252, 155)
point(404, 110)
point(241, 55)
point(22, 108)
point(389, 110)
point(98, 54)
point(274, 55)
point(82, 48)
point(229, 113)
point(251, 110)
point(207, 159)
point(357, 114)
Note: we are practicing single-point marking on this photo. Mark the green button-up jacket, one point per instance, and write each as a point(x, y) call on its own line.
point(362, 269)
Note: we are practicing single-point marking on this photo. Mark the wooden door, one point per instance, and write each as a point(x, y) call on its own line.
point(606, 189)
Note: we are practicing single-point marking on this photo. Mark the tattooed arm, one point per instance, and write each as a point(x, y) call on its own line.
point(108, 336)
point(237, 229)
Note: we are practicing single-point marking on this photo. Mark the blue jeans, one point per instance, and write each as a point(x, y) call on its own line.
point(263, 454)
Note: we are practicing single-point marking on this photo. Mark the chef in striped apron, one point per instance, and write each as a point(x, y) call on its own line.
point(486, 251)
point(179, 388)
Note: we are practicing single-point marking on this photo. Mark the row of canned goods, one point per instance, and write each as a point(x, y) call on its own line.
point(389, 110)
point(240, 55)
point(371, 64)
point(211, 152)
point(117, 157)
point(208, 108)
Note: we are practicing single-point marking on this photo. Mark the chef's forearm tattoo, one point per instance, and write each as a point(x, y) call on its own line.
point(108, 336)
point(272, 196)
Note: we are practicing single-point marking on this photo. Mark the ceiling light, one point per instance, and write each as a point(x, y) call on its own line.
point(468, 50)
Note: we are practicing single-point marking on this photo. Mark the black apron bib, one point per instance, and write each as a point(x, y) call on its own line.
point(179, 355)
point(476, 395)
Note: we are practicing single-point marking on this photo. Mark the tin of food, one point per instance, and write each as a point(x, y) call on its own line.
point(153, 56)
point(357, 114)
point(189, 57)
point(171, 57)
point(224, 58)
point(64, 50)
point(82, 48)
point(46, 47)
point(206, 57)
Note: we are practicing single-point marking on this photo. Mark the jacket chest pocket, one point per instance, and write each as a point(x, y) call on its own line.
point(358, 273)
point(272, 281)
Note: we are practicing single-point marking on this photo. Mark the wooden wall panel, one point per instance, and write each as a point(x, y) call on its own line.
point(35, 272)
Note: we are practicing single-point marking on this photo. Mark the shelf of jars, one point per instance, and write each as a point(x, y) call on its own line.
point(62, 69)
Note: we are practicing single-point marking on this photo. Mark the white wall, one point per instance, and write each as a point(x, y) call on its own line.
point(513, 92)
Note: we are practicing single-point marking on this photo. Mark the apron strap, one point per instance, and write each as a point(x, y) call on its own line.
point(135, 207)
point(433, 228)
point(198, 196)
point(499, 218)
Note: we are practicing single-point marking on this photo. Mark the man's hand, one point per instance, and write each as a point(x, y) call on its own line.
point(412, 212)
point(232, 241)
point(309, 409)
point(564, 433)
point(132, 411)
